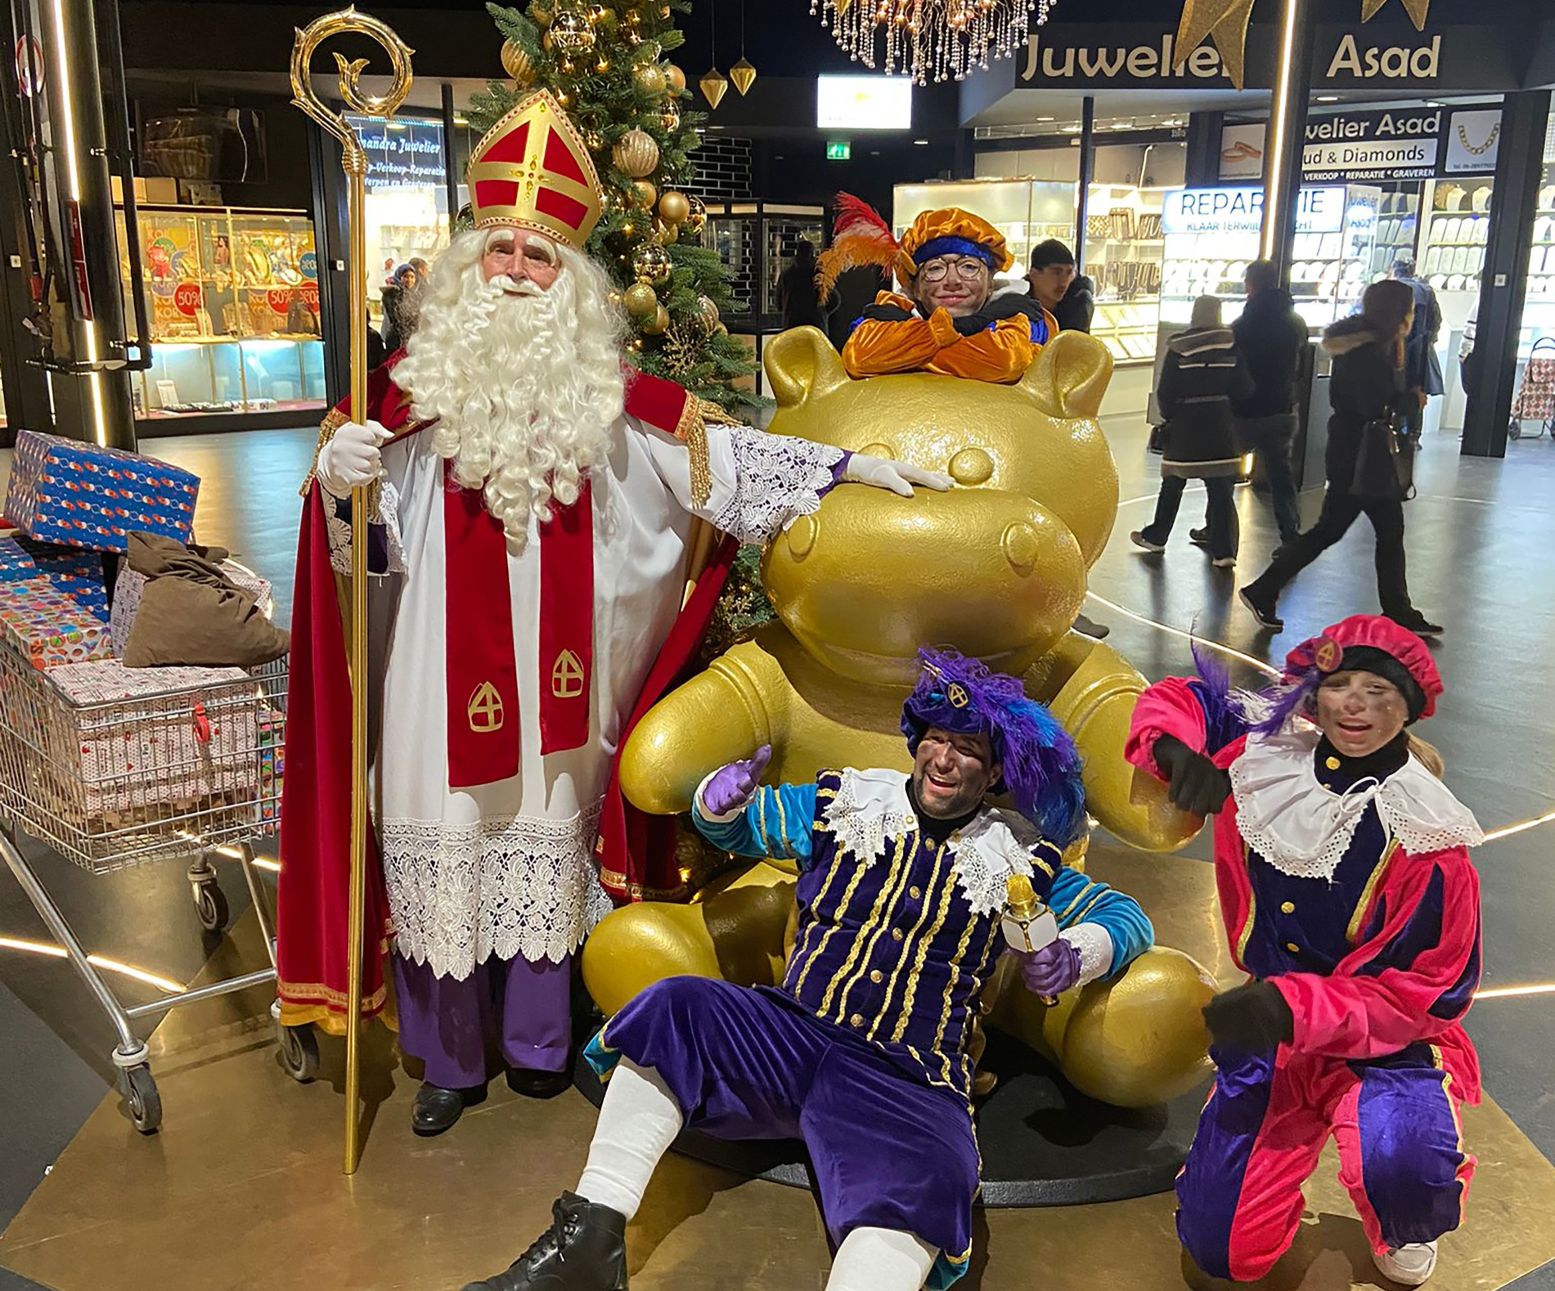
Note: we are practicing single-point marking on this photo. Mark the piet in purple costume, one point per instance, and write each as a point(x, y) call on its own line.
point(861, 1051)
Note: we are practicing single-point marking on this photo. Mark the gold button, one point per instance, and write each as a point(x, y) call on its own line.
point(1333, 764)
point(876, 976)
point(1293, 948)
point(897, 934)
point(1287, 907)
point(856, 1021)
point(915, 892)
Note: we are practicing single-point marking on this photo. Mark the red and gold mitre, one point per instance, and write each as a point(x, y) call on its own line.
point(533, 170)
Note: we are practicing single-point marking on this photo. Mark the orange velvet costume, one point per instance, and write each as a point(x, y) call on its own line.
point(932, 344)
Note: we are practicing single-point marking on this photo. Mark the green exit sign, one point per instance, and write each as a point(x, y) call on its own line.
point(838, 150)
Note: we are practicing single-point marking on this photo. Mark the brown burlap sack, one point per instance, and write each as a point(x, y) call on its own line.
point(192, 613)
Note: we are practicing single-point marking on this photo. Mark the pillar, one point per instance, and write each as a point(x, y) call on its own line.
point(1287, 132)
point(1519, 172)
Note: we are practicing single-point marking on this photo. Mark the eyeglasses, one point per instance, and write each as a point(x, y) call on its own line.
point(966, 267)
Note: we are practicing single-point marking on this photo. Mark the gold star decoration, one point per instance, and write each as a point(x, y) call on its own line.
point(1416, 9)
point(1225, 22)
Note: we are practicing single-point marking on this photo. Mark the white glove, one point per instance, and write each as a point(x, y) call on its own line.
point(351, 459)
point(899, 477)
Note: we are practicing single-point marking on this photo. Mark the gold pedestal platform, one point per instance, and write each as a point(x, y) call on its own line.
point(242, 1187)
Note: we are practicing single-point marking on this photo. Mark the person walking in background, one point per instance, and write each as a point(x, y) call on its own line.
point(798, 299)
point(1422, 369)
point(1270, 338)
point(402, 304)
point(1202, 374)
point(1368, 385)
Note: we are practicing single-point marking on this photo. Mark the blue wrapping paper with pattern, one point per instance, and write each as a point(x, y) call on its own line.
point(87, 496)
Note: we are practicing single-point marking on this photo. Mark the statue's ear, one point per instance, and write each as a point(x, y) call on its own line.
point(1070, 376)
point(801, 364)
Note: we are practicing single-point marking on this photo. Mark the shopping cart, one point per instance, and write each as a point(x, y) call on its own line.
point(192, 771)
point(1536, 393)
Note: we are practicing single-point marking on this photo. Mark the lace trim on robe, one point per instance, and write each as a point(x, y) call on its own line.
point(778, 479)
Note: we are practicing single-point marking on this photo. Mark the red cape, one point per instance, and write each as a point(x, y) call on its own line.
point(636, 852)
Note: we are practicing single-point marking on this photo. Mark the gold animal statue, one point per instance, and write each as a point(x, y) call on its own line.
point(995, 568)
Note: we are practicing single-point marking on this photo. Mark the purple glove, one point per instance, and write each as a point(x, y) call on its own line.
point(1052, 970)
point(731, 787)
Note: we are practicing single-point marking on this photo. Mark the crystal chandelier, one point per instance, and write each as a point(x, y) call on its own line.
point(938, 40)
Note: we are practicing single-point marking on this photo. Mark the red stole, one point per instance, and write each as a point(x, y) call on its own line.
point(481, 674)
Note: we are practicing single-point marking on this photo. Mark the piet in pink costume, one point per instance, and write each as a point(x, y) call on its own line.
point(1346, 887)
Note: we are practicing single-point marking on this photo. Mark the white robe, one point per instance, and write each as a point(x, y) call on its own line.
point(507, 869)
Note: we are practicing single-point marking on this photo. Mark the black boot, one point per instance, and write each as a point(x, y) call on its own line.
point(583, 1250)
point(436, 1109)
point(538, 1084)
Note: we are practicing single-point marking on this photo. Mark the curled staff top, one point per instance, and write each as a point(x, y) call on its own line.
point(309, 38)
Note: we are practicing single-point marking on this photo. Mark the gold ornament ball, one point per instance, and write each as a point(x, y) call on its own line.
point(675, 77)
point(669, 115)
point(650, 79)
point(641, 300)
point(665, 233)
point(659, 323)
point(707, 307)
point(652, 265)
point(644, 194)
point(564, 99)
point(517, 64)
point(636, 154)
point(570, 33)
point(674, 207)
point(696, 215)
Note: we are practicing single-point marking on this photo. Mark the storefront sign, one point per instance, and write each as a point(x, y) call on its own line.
point(1372, 56)
point(188, 299)
point(406, 152)
point(308, 265)
point(1377, 145)
point(279, 299)
point(309, 291)
point(1240, 210)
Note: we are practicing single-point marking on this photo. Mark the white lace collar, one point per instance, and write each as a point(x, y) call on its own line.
point(1304, 829)
point(873, 806)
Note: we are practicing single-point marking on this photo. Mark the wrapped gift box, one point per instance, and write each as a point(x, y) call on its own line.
point(135, 745)
point(50, 628)
point(131, 583)
point(87, 496)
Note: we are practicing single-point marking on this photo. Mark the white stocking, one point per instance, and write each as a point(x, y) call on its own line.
point(637, 1123)
point(881, 1259)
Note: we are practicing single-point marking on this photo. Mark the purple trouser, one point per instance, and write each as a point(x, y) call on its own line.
point(520, 1008)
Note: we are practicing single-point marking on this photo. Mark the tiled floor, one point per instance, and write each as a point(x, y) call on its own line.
point(1481, 537)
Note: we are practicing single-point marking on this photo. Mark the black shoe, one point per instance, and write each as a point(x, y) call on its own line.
point(583, 1250)
point(1199, 538)
point(437, 1109)
point(1087, 627)
point(538, 1084)
point(1262, 610)
point(1417, 623)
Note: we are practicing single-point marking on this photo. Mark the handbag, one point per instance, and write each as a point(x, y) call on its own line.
point(1385, 465)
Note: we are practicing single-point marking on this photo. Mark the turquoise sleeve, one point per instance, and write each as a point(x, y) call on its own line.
point(1075, 898)
point(776, 825)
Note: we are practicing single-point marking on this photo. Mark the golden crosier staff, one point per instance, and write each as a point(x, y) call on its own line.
point(354, 161)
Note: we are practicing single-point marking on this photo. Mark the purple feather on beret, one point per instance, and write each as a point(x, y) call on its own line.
point(1041, 764)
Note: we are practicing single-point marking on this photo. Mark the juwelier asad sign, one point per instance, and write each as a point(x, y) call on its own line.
point(1385, 144)
point(1374, 56)
point(1240, 210)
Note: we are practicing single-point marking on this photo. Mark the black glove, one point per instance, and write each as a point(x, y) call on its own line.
point(1006, 305)
point(1194, 783)
point(1251, 1019)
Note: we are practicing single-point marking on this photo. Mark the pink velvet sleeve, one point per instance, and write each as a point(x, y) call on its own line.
point(1410, 982)
point(1167, 708)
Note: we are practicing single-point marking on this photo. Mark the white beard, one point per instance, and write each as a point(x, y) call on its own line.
point(525, 385)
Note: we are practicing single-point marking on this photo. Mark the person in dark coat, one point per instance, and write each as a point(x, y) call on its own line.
point(1059, 287)
point(1368, 383)
point(1422, 368)
point(1271, 337)
point(854, 292)
point(1202, 374)
point(798, 300)
point(401, 304)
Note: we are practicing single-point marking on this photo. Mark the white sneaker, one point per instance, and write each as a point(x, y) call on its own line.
point(1407, 1265)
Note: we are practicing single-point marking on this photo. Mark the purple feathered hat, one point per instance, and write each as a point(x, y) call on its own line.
point(1041, 763)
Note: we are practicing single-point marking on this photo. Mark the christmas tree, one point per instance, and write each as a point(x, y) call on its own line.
point(605, 63)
